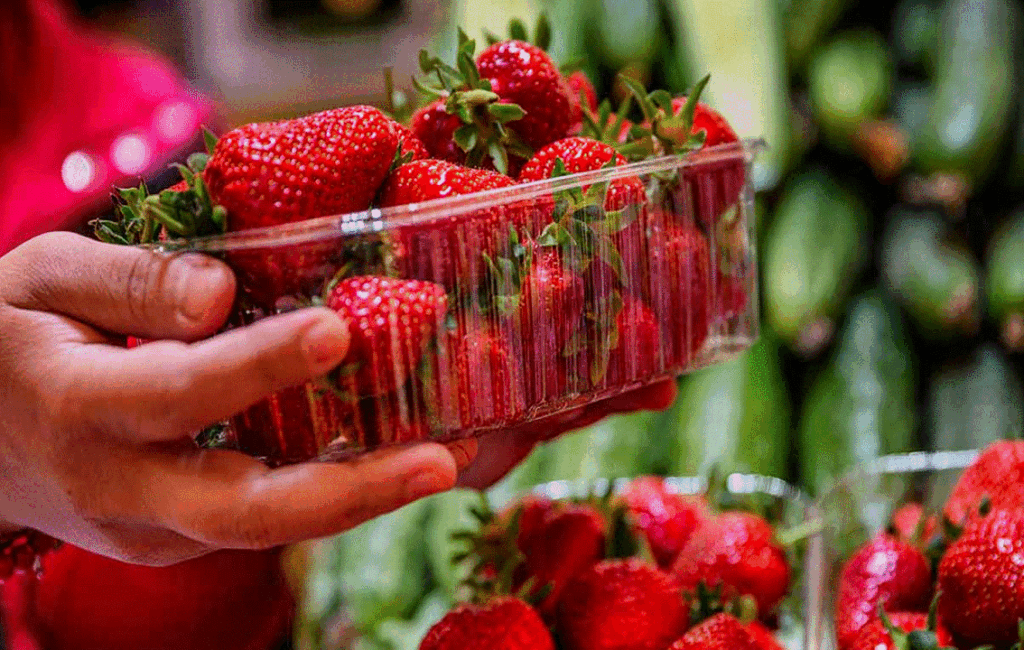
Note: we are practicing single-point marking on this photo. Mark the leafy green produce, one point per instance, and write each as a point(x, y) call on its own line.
point(449, 513)
point(1004, 281)
point(915, 32)
point(861, 405)
point(625, 31)
point(807, 22)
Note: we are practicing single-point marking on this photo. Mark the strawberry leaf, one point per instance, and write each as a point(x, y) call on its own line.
point(542, 33)
point(517, 30)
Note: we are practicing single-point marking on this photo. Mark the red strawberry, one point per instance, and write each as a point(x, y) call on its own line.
point(227, 599)
point(679, 258)
point(449, 250)
point(884, 570)
point(981, 591)
point(997, 474)
point(410, 144)
point(907, 524)
point(875, 635)
point(639, 352)
point(763, 637)
point(720, 632)
point(717, 129)
point(580, 154)
point(731, 295)
point(479, 378)
point(502, 623)
point(737, 552)
point(665, 518)
point(525, 75)
point(435, 126)
point(623, 604)
point(584, 98)
point(391, 321)
point(566, 542)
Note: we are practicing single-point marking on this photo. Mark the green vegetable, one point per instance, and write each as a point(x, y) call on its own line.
point(807, 22)
point(1004, 281)
point(975, 402)
point(625, 31)
point(936, 281)
point(849, 82)
point(382, 566)
point(861, 405)
point(975, 77)
point(814, 249)
point(449, 513)
point(915, 32)
point(401, 634)
point(735, 414)
point(615, 447)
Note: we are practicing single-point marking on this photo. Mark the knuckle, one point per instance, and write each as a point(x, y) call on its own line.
point(139, 285)
point(255, 529)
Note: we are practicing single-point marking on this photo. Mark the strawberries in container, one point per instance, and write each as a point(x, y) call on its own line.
point(926, 548)
point(499, 258)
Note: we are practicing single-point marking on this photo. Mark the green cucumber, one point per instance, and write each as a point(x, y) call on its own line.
point(1004, 281)
point(740, 44)
point(625, 32)
point(382, 566)
point(862, 404)
point(735, 415)
point(935, 281)
point(449, 513)
point(915, 32)
point(814, 249)
point(848, 83)
point(975, 403)
point(975, 79)
point(807, 22)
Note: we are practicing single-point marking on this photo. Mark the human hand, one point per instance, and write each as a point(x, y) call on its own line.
point(501, 451)
point(95, 439)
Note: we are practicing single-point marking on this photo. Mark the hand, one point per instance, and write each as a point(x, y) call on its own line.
point(501, 451)
point(95, 444)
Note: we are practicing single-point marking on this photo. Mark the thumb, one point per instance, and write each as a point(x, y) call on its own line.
point(119, 289)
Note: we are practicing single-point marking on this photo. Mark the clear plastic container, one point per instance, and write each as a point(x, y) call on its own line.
point(859, 505)
point(648, 274)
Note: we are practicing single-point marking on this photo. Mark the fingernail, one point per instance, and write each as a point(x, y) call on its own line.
point(200, 286)
point(325, 343)
point(424, 484)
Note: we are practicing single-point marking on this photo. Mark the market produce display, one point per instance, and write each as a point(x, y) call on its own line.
point(946, 571)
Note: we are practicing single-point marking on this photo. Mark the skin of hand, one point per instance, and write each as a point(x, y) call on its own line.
point(95, 438)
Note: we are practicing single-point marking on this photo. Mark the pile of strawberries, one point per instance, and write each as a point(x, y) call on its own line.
point(954, 583)
point(646, 570)
point(590, 287)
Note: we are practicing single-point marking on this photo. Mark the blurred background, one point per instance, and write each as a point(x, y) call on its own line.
point(891, 232)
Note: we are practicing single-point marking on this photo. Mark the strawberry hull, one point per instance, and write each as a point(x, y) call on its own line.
point(543, 296)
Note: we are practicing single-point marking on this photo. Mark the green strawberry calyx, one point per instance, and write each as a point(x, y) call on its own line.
point(925, 639)
point(665, 132)
point(483, 134)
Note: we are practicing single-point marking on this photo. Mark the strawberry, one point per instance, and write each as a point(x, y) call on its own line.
point(720, 632)
point(479, 377)
point(228, 599)
point(435, 127)
point(679, 258)
point(449, 250)
point(621, 604)
point(391, 321)
point(584, 98)
point(763, 637)
point(323, 164)
point(410, 144)
point(665, 518)
point(637, 354)
point(981, 594)
point(580, 154)
point(501, 623)
point(884, 570)
point(910, 524)
point(876, 636)
point(717, 130)
point(566, 542)
point(735, 551)
point(997, 474)
point(525, 75)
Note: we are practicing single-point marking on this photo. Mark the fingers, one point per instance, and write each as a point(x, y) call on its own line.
point(227, 500)
point(166, 389)
point(120, 289)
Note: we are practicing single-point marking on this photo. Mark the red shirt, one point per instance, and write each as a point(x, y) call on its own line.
point(114, 114)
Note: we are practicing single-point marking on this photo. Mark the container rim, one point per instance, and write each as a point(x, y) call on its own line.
point(378, 220)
